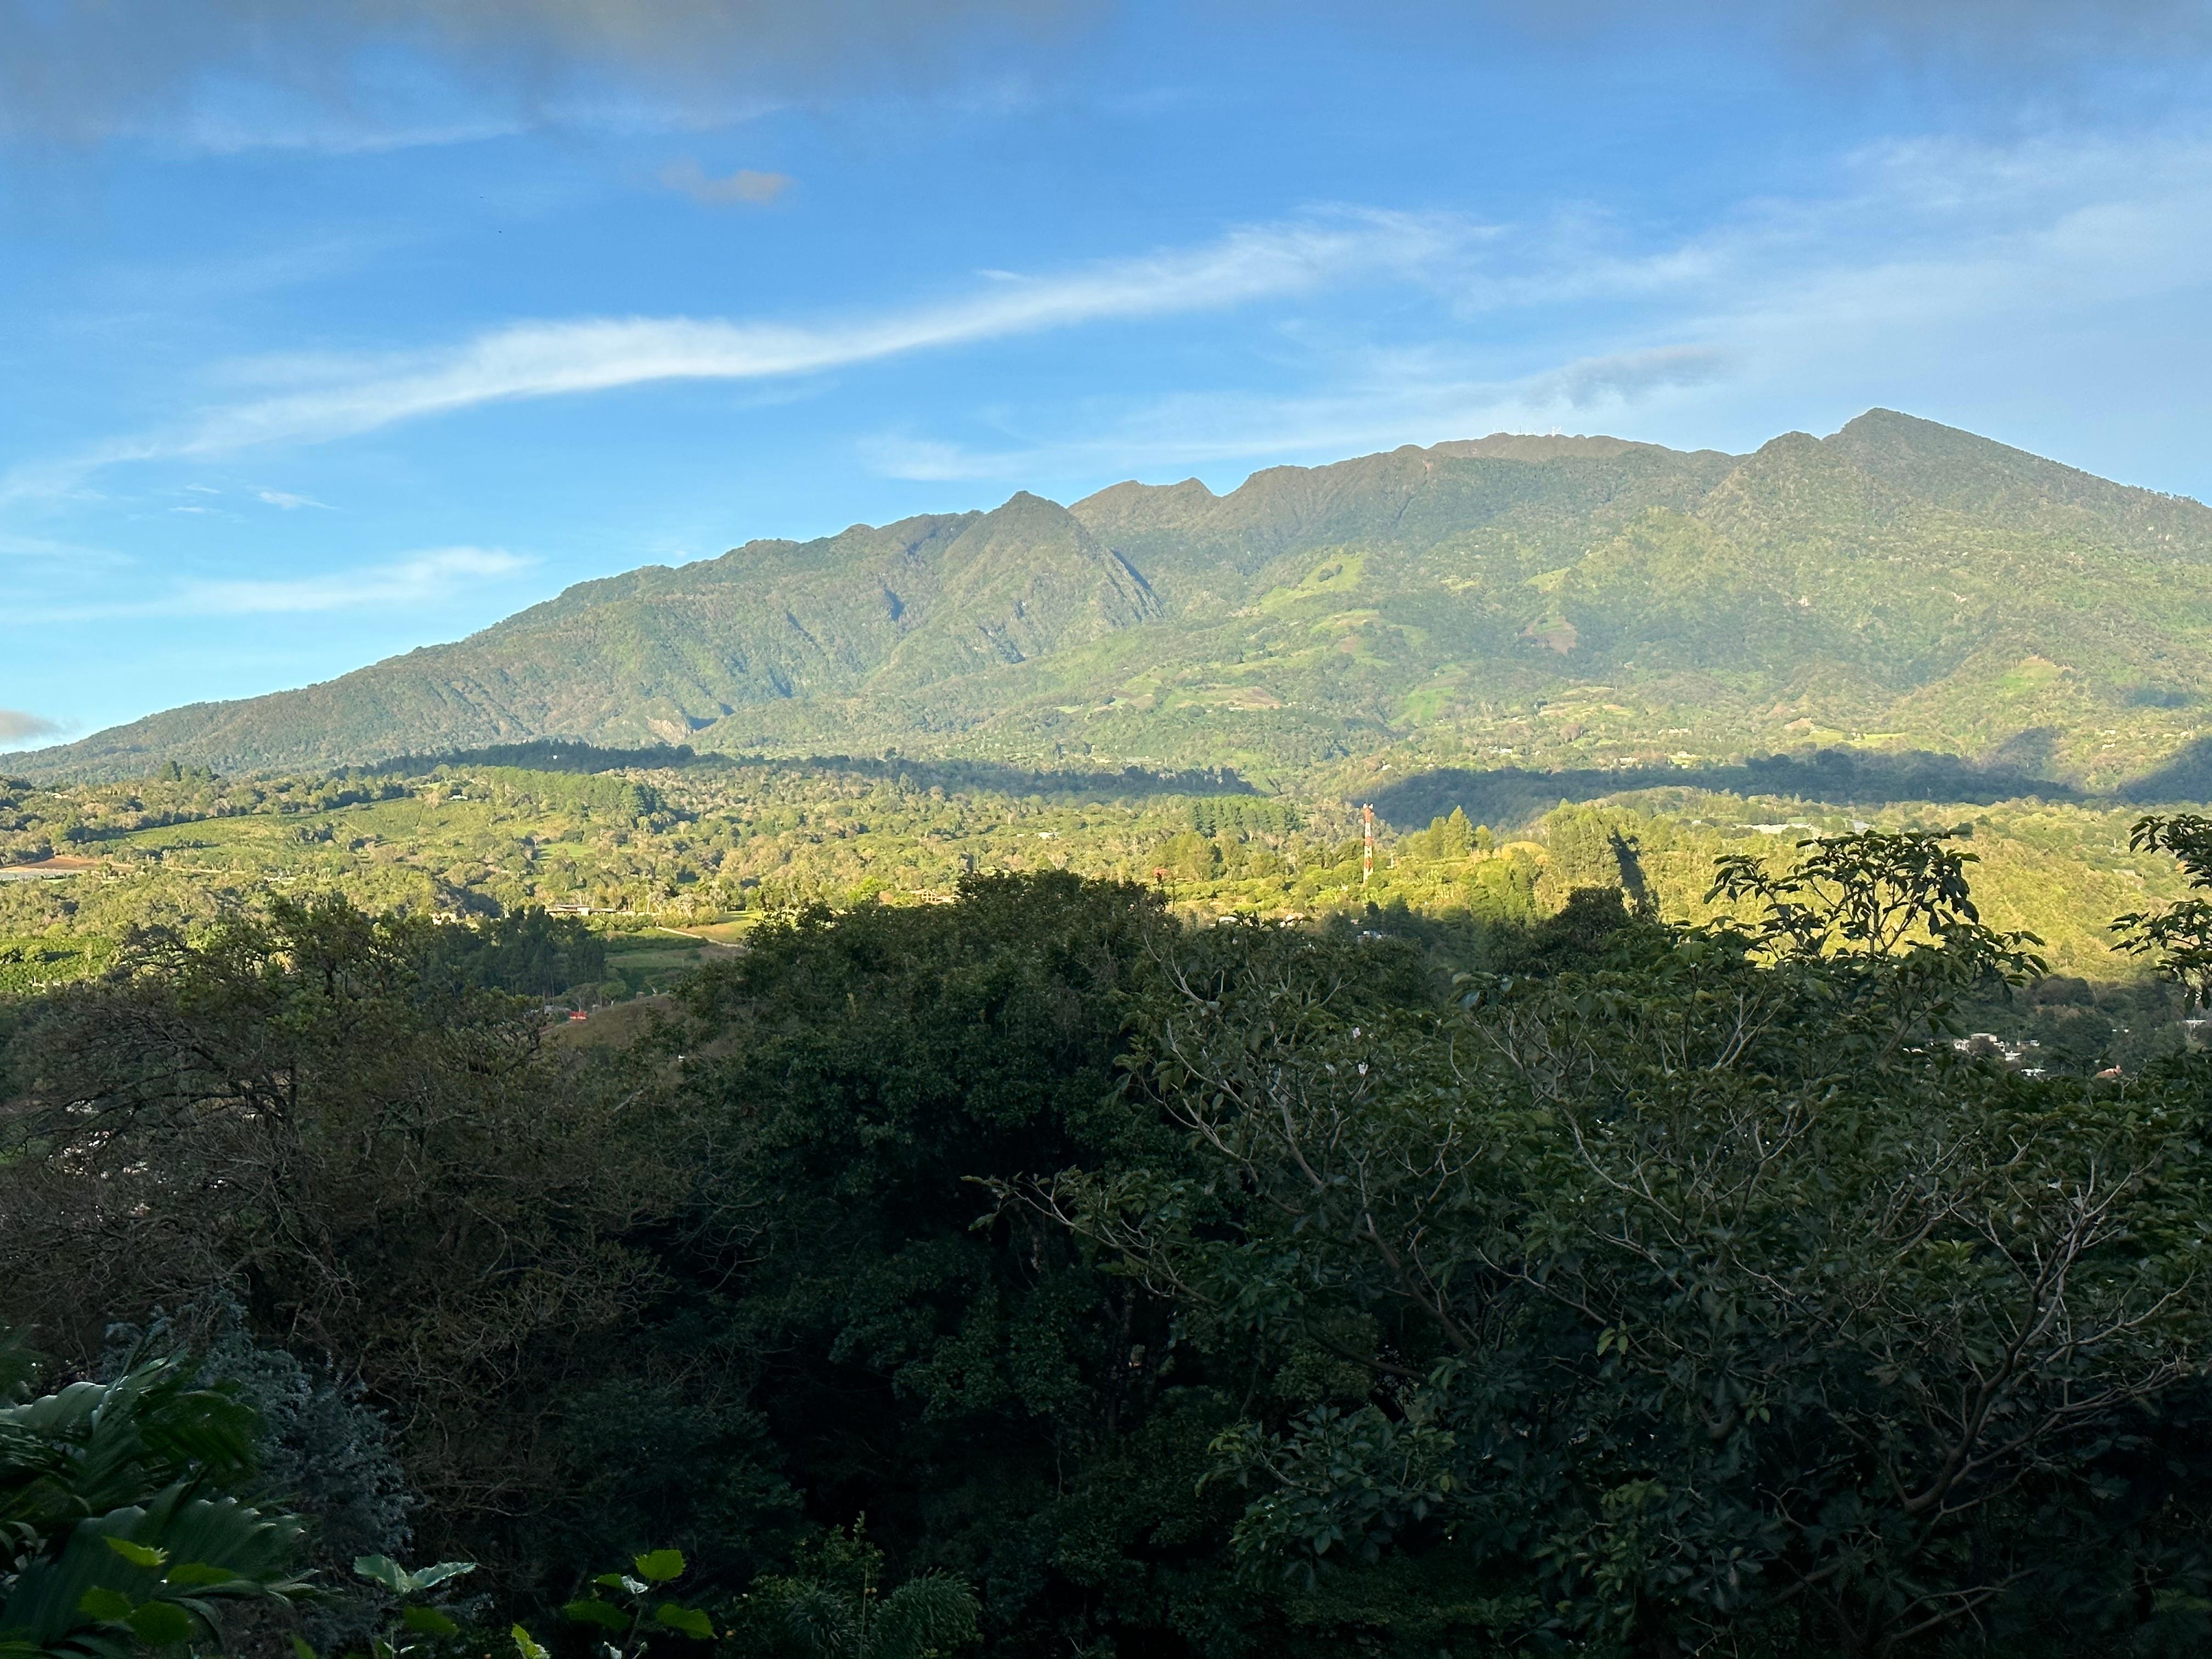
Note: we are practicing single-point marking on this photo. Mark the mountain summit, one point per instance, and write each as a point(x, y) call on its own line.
point(1572, 599)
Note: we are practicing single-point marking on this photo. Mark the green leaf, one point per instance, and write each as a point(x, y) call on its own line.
point(198, 1573)
point(524, 1645)
point(301, 1650)
point(138, 1555)
point(108, 1606)
point(425, 1577)
point(689, 1621)
point(621, 1581)
point(160, 1624)
point(592, 1611)
point(430, 1621)
point(658, 1567)
point(383, 1570)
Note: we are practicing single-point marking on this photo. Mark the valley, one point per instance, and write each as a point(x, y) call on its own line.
point(721, 961)
point(671, 856)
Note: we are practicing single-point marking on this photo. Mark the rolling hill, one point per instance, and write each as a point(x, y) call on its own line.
point(1574, 602)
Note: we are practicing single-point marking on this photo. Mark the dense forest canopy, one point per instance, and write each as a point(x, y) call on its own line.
point(1101, 1278)
point(549, 1195)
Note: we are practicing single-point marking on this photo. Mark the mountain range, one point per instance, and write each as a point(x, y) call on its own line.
point(1509, 600)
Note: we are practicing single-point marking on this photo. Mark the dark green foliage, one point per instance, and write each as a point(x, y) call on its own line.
point(1576, 938)
point(1187, 857)
point(413, 1622)
point(594, 794)
point(834, 1606)
point(542, 755)
point(626, 1610)
point(1447, 838)
point(947, 1372)
point(384, 1171)
point(1509, 795)
point(528, 952)
point(2179, 936)
point(332, 1457)
point(1212, 815)
point(1689, 1295)
point(120, 1520)
point(1197, 1292)
point(667, 1447)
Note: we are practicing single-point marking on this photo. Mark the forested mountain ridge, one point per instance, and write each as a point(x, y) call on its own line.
point(1569, 601)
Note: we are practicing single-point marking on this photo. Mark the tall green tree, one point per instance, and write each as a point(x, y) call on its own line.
point(302, 1117)
point(1702, 1298)
point(1001, 1408)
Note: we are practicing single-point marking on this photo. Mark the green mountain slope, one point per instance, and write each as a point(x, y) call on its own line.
point(1563, 601)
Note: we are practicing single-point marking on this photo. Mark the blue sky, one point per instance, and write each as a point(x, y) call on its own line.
point(333, 332)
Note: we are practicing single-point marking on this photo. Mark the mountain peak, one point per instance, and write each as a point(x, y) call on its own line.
point(1964, 472)
point(1317, 610)
point(1536, 447)
point(1131, 506)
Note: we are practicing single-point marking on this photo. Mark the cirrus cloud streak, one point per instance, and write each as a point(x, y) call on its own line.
point(344, 398)
point(415, 581)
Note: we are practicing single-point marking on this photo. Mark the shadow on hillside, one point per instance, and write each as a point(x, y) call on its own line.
point(549, 754)
point(542, 755)
point(990, 777)
point(1509, 797)
point(2186, 777)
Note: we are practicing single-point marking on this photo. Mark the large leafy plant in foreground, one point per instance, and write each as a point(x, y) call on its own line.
point(116, 1520)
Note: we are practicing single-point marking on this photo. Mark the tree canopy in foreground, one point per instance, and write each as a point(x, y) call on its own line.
point(1599, 1285)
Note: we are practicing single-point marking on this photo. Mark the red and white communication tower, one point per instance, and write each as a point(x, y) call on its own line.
point(1367, 846)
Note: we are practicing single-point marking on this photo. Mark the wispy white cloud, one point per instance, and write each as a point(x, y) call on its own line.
point(428, 578)
point(687, 177)
point(49, 558)
point(434, 577)
point(334, 398)
point(227, 133)
point(1399, 397)
point(1917, 254)
point(288, 501)
point(1909, 250)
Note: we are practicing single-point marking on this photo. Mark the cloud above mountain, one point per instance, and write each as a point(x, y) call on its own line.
point(423, 580)
point(19, 726)
point(328, 399)
point(428, 578)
